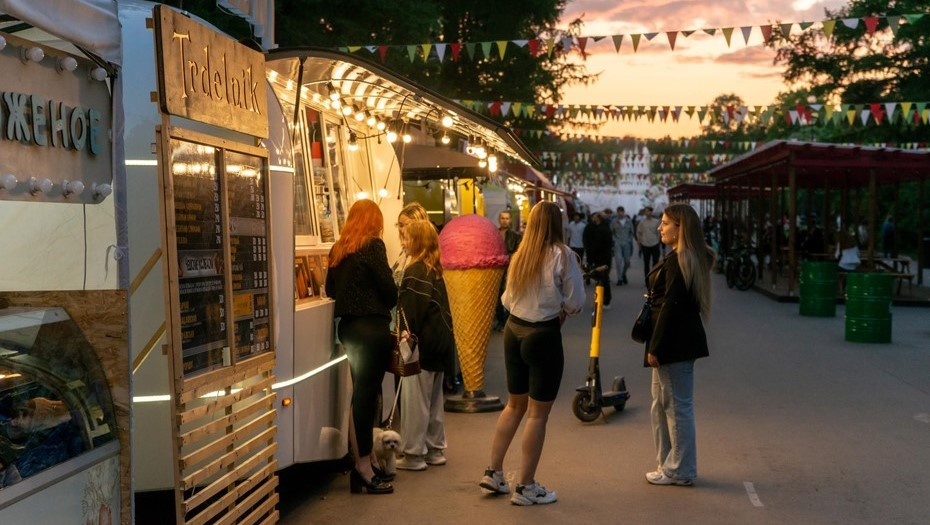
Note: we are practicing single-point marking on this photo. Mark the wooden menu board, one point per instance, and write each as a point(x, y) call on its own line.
point(223, 257)
point(198, 218)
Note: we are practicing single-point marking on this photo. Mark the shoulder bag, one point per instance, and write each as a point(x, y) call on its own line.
point(642, 327)
point(405, 357)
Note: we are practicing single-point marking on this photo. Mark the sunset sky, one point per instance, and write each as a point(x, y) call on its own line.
point(700, 68)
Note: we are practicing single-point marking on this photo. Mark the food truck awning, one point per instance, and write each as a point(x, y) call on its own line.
point(92, 25)
point(318, 75)
point(423, 162)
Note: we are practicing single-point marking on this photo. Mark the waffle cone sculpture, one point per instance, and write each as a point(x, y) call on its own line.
point(473, 259)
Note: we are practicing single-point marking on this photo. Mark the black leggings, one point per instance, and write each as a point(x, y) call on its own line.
point(368, 343)
point(534, 358)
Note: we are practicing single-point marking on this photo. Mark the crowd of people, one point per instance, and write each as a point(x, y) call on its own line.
point(543, 285)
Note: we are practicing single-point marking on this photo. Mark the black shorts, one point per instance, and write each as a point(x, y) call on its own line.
point(534, 358)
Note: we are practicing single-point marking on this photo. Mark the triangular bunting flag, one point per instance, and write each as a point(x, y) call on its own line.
point(456, 49)
point(534, 46)
point(727, 34)
point(353, 49)
point(672, 35)
point(906, 109)
point(650, 36)
point(828, 26)
point(893, 23)
point(505, 108)
point(411, 52)
point(805, 25)
point(470, 49)
point(864, 116)
point(486, 49)
point(520, 43)
point(618, 40)
point(501, 47)
point(711, 31)
point(890, 108)
point(747, 30)
point(550, 46)
point(426, 49)
point(371, 49)
point(688, 33)
point(851, 23)
point(382, 50)
point(766, 33)
point(582, 42)
point(785, 30)
point(635, 38)
point(871, 23)
point(878, 113)
point(517, 108)
point(566, 44)
point(913, 18)
point(441, 51)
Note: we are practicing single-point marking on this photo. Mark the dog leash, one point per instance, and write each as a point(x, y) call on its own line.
point(390, 422)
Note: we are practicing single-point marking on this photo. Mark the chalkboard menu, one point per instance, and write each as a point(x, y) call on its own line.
point(198, 220)
point(248, 250)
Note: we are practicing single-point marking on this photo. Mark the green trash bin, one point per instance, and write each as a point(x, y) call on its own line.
point(868, 307)
point(818, 288)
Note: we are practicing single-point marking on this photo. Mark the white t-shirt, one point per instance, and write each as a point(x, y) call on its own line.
point(576, 234)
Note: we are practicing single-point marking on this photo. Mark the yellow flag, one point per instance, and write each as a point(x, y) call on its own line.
point(828, 26)
point(502, 47)
point(727, 34)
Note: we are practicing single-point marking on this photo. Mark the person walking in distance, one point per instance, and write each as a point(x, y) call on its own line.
point(360, 282)
point(622, 231)
point(544, 285)
point(648, 236)
point(681, 295)
point(576, 235)
point(511, 242)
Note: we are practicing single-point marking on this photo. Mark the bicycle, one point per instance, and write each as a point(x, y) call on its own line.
point(739, 268)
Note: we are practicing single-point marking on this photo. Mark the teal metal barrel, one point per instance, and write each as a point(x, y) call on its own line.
point(818, 288)
point(868, 307)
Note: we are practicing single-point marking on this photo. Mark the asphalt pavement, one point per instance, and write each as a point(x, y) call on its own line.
point(795, 426)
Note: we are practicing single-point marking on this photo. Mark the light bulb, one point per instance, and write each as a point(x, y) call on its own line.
point(346, 110)
point(69, 188)
point(336, 103)
point(40, 185)
point(380, 126)
point(447, 121)
point(445, 139)
point(407, 138)
point(482, 163)
point(392, 136)
point(8, 182)
point(361, 195)
point(353, 141)
point(66, 64)
point(359, 116)
point(371, 121)
point(101, 191)
point(99, 74)
point(383, 193)
point(32, 54)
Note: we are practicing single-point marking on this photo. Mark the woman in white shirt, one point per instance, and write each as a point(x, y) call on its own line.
point(544, 285)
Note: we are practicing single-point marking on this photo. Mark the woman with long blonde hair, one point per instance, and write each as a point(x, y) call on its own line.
point(359, 281)
point(544, 285)
point(681, 294)
point(423, 309)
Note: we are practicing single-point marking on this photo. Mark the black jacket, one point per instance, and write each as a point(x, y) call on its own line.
point(677, 330)
point(598, 243)
point(425, 305)
point(362, 284)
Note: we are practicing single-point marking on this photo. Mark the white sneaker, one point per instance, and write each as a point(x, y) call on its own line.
point(532, 494)
point(435, 457)
point(411, 462)
point(494, 482)
point(606, 307)
point(659, 478)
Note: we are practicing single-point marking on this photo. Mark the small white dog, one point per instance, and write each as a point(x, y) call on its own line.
point(387, 444)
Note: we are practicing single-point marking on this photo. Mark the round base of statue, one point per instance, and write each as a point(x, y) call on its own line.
point(473, 402)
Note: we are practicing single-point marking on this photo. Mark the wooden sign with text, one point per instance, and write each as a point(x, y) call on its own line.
point(207, 76)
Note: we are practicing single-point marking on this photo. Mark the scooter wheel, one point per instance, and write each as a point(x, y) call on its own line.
point(583, 409)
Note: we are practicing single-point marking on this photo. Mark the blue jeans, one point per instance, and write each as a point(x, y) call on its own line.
point(673, 419)
point(622, 254)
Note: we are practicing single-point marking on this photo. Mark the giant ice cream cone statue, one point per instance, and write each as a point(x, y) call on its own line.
point(473, 259)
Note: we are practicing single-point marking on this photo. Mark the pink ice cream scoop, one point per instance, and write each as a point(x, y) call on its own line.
point(471, 241)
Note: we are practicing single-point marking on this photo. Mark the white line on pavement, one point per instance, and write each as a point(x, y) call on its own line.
point(751, 492)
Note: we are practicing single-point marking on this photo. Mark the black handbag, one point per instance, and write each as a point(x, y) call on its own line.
point(642, 327)
point(405, 357)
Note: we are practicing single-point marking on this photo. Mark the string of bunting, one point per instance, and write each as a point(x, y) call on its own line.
point(547, 44)
point(871, 113)
point(632, 184)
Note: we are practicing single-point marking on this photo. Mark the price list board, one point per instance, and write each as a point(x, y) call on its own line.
point(198, 222)
point(249, 254)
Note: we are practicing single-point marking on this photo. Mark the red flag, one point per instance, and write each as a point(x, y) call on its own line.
point(582, 41)
point(534, 46)
point(495, 108)
point(382, 50)
point(877, 112)
point(766, 33)
point(871, 22)
point(456, 49)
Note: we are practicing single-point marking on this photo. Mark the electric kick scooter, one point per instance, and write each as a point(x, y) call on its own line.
point(589, 399)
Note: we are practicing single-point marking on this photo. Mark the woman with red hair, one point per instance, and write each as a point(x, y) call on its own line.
point(360, 282)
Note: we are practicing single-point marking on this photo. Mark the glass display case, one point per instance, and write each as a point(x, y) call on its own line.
point(320, 201)
point(55, 402)
point(310, 267)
